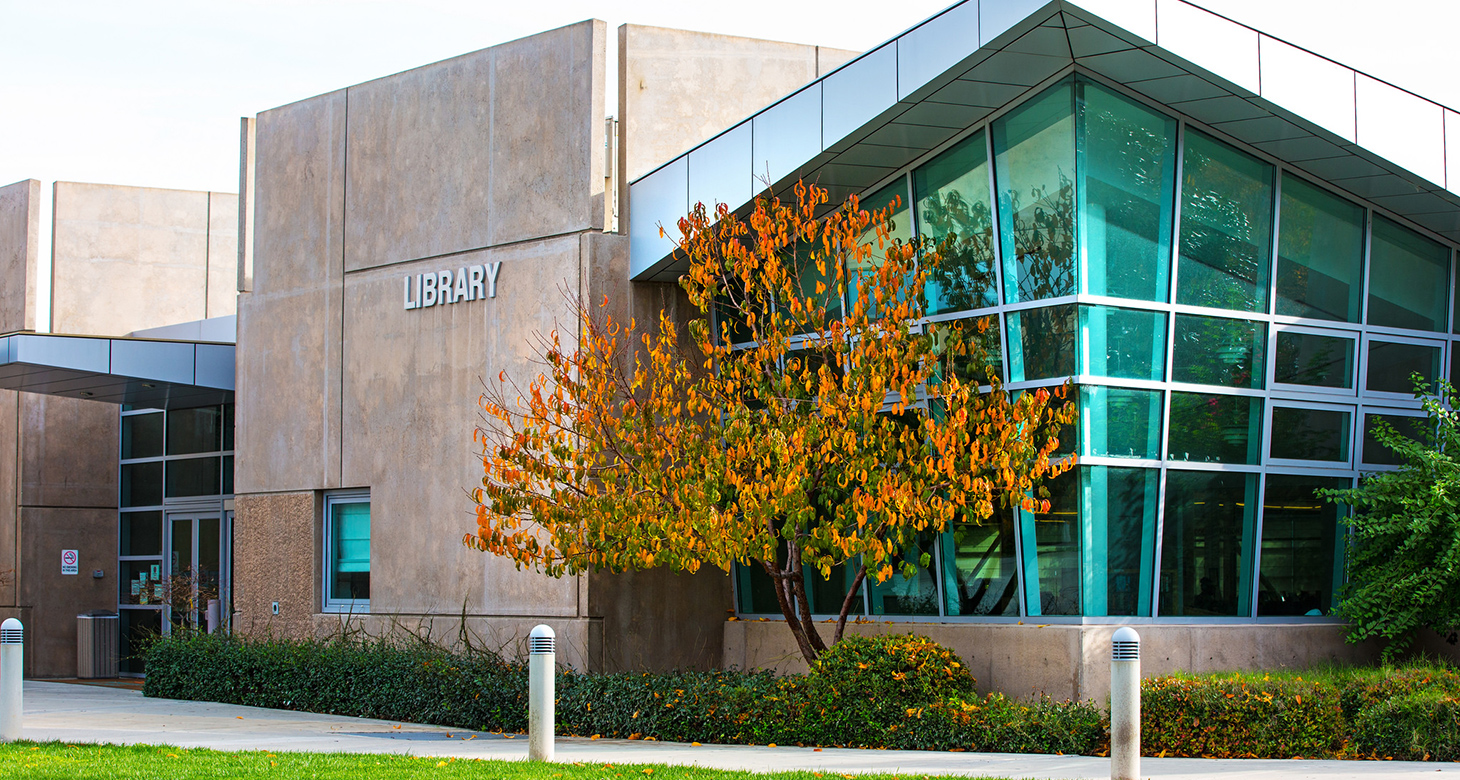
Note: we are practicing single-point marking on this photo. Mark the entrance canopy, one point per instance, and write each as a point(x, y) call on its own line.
point(140, 372)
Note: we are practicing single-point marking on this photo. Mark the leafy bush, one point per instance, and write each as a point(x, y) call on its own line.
point(1229, 717)
point(1367, 690)
point(1423, 726)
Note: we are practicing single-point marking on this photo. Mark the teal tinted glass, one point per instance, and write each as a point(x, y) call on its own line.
point(1226, 227)
point(142, 435)
point(1409, 278)
point(1310, 434)
point(903, 595)
point(1320, 269)
point(1302, 553)
point(981, 353)
point(1127, 159)
point(1118, 422)
point(1041, 343)
point(1215, 429)
point(1052, 550)
point(1126, 343)
point(756, 590)
point(1311, 359)
point(979, 568)
point(955, 213)
point(1034, 170)
point(894, 199)
point(350, 550)
point(1118, 512)
point(1374, 452)
point(1207, 546)
point(1392, 366)
point(1219, 351)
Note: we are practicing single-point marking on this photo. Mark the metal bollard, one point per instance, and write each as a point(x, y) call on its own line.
point(12, 666)
point(1125, 704)
point(541, 666)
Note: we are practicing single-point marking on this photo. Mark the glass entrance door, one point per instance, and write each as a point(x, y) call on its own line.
point(194, 588)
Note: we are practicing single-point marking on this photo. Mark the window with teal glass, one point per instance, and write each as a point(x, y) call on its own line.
point(955, 214)
point(1219, 351)
point(1302, 550)
point(1409, 278)
point(979, 568)
point(1118, 422)
point(1311, 434)
point(1052, 550)
point(904, 595)
point(1123, 343)
point(1127, 163)
point(1226, 227)
point(1034, 171)
point(1215, 429)
point(977, 353)
point(1320, 268)
point(1041, 343)
point(1118, 518)
point(892, 198)
point(1392, 366)
point(1375, 453)
point(1207, 544)
point(1314, 360)
point(755, 590)
point(347, 551)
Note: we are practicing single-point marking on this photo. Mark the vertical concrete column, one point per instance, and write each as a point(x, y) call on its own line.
point(12, 665)
point(541, 666)
point(1125, 704)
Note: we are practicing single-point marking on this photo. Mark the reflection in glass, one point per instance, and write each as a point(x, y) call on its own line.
point(1215, 428)
point(827, 593)
point(756, 590)
point(1117, 422)
point(194, 430)
point(978, 564)
point(142, 436)
point(1041, 343)
point(1226, 227)
point(349, 576)
point(982, 354)
point(1034, 169)
point(193, 477)
point(141, 533)
point(137, 627)
point(1376, 454)
point(894, 199)
point(1219, 351)
point(1409, 278)
point(1391, 366)
point(1127, 160)
point(818, 283)
point(1052, 550)
point(1310, 434)
point(1310, 359)
point(1302, 558)
point(955, 212)
point(1118, 511)
point(900, 595)
point(1320, 253)
point(1206, 549)
point(141, 484)
point(1126, 343)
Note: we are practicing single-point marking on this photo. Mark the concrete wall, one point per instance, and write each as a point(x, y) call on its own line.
point(20, 218)
point(128, 258)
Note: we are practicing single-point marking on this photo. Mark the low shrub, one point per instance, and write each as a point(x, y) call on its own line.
point(1232, 717)
point(1422, 726)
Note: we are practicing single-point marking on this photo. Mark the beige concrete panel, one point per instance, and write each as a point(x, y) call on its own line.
point(127, 258)
point(68, 452)
point(247, 159)
point(56, 599)
point(412, 379)
point(20, 230)
point(9, 505)
point(659, 620)
point(276, 555)
point(222, 297)
point(829, 59)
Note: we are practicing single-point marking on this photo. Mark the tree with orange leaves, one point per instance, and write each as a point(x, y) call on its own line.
point(814, 418)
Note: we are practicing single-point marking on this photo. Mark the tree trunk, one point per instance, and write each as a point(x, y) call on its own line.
point(785, 598)
point(852, 594)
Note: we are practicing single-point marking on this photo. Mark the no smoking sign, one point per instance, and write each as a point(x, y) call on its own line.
point(70, 562)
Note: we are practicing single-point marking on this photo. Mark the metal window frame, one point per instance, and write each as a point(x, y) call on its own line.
point(331, 500)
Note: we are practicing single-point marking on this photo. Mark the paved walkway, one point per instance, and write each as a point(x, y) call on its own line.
point(87, 713)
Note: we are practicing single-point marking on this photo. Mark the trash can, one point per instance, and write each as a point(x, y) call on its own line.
point(96, 644)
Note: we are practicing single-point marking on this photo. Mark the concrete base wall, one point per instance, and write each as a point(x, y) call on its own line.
point(274, 559)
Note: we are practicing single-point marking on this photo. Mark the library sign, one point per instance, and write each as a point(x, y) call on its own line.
point(469, 283)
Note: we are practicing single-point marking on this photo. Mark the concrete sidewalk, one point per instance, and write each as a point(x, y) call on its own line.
point(86, 713)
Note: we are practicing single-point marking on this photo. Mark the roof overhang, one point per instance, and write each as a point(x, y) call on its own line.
point(857, 126)
point(142, 372)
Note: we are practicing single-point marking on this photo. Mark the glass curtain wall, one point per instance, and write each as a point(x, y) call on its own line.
point(1236, 330)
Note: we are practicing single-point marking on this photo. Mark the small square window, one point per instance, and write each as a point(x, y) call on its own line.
point(347, 552)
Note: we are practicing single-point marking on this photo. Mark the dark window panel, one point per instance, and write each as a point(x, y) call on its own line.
point(191, 431)
point(141, 484)
point(142, 436)
point(1206, 549)
point(1314, 360)
point(1219, 351)
point(141, 533)
point(1320, 254)
point(1392, 364)
point(1215, 429)
point(1409, 278)
point(1226, 227)
point(1310, 434)
point(1302, 548)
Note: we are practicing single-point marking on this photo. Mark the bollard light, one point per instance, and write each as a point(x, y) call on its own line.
point(541, 666)
point(1125, 704)
point(12, 666)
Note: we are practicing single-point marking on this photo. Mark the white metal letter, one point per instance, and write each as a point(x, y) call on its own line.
point(410, 304)
point(428, 290)
point(475, 275)
point(445, 290)
point(460, 289)
point(492, 270)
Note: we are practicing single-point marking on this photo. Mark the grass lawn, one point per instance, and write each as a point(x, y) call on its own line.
point(78, 762)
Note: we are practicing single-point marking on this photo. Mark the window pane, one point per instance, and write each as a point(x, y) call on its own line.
point(140, 581)
point(1219, 351)
point(1116, 422)
point(899, 228)
point(227, 475)
point(227, 427)
point(1226, 227)
point(350, 547)
point(982, 574)
point(899, 595)
point(1120, 507)
point(1034, 168)
point(1041, 343)
point(955, 211)
point(142, 436)
point(142, 484)
point(1215, 428)
point(194, 430)
point(1052, 550)
point(141, 533)
point(827, 594)
point(983, 353)
point(818, 283)
point(1310, 434)
point(1310, 359)
point(1126, 343)
point(1127, 195)
point(1302, 558)
point(192, 477)
point(1320, 253)
point(1391, 366)
point(1409, 278)
point(1377, 454)
point(137, 627)
point(1206, 550)
point(756, 590)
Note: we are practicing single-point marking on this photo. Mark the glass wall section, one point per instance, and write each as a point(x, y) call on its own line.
point(955, 212)
point(1392, 366)
point(1376, 454)
point(1122, 343)
point(1320, 253)
point(1409, 278)
point(894, 198)
point(1118, 510)
point(1218, 351)
point(1226, 226)
point(980, 568)
point(1214, 429)
point(1119, 422)
point(983, 354)
point(1126, 154)
point(1034, 168)
point(1041, 343)
point(1302, 547)
point(1052, 551)
point(1314, 360)
point(901, 595)
point(1206, 547)
point(1301, 433)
